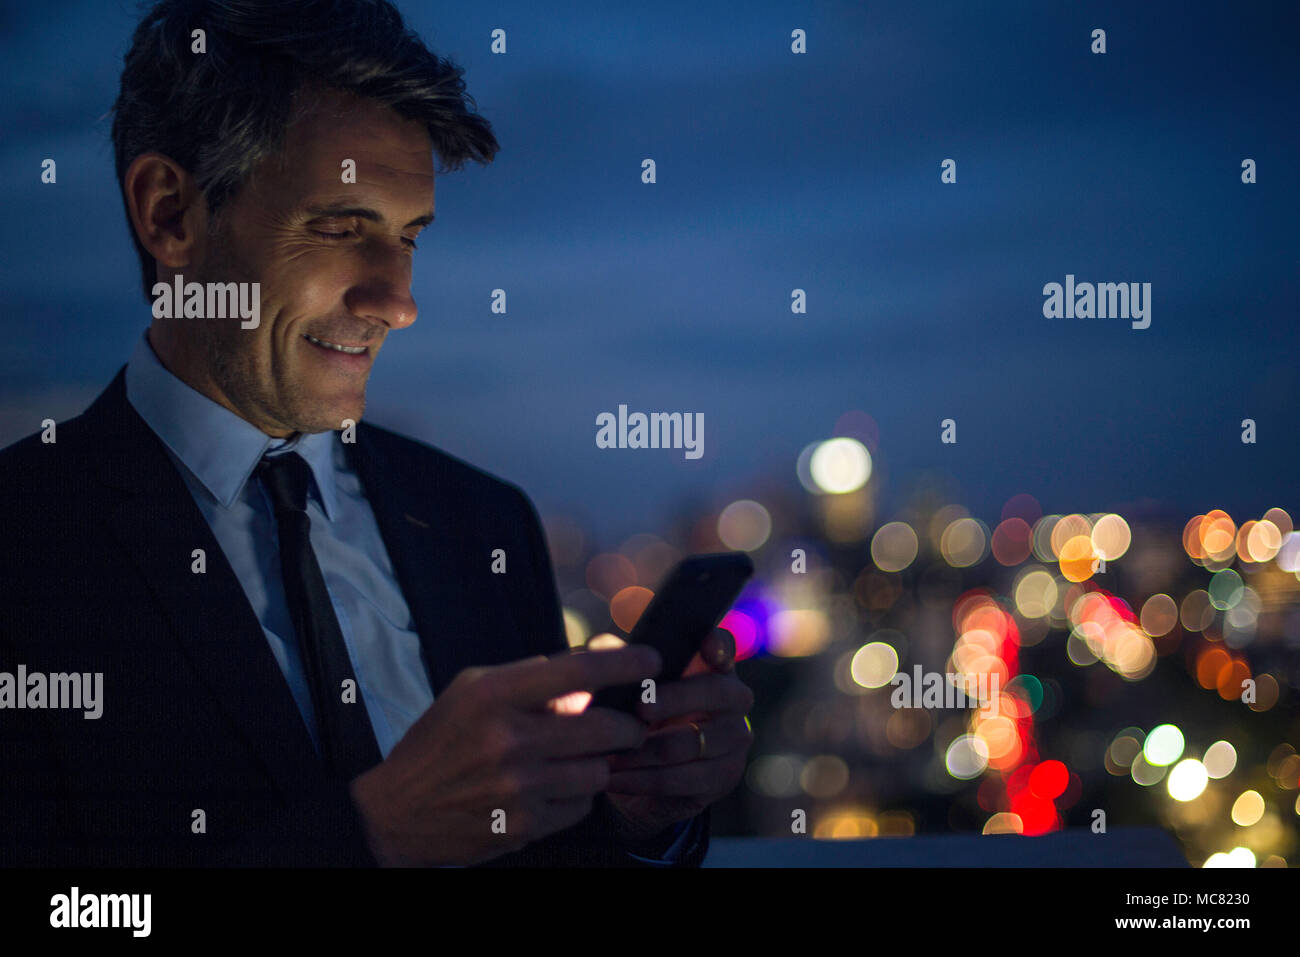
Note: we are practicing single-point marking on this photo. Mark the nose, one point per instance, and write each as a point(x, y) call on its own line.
point(383, 294)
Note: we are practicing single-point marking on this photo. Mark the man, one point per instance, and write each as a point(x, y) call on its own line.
point(307, 652)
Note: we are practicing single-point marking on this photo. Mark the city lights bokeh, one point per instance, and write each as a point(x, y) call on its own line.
point(1114, 666)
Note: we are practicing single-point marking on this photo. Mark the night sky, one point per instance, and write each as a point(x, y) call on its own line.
point(778, 171)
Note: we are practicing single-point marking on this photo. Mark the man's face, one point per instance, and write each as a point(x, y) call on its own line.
point(334, 263)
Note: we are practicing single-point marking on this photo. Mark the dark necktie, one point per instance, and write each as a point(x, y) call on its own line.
point(347, 741)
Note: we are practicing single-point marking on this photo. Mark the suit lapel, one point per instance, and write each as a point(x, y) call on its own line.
point(159, 525)
point(430, 545)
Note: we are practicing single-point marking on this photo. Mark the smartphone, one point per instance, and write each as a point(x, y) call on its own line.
point(686, 608)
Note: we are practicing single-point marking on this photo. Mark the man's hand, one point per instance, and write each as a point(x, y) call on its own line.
point(669, 778)
point(507, 738)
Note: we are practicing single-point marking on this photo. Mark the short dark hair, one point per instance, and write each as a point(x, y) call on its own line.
point(220, 113)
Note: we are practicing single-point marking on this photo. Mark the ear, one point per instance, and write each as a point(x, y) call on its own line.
point(168, 211)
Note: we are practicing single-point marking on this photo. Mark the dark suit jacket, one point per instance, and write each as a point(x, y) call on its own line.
point(96, 571)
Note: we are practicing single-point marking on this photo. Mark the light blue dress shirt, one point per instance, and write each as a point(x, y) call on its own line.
point(216, 452)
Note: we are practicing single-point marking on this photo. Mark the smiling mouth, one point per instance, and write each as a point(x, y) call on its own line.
point(347, 350)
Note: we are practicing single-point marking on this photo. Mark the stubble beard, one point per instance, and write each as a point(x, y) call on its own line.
point(231, 356)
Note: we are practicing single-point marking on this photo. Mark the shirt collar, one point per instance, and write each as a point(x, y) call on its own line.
point(216, 445)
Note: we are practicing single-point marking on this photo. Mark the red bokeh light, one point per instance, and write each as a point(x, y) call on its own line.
point(1037, 814)
point(1049, 780)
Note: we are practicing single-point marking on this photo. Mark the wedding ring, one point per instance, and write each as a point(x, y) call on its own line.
point(700, 734)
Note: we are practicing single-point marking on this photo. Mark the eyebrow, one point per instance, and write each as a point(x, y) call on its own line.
point(364, 212)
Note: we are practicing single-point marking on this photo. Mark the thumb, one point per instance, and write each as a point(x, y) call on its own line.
point(717, 654)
